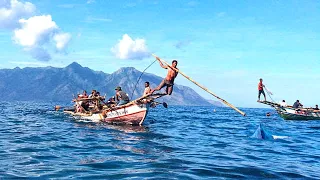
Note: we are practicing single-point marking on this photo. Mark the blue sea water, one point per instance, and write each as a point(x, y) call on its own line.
point(179, 142)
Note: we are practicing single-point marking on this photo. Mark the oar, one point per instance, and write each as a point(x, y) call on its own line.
point(58, 108)
point(202, 87)
point(164, 104)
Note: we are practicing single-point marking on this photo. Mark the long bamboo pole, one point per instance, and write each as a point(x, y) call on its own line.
point(202, 87)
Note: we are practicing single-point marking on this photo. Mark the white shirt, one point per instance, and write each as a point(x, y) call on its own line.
point(283, 104)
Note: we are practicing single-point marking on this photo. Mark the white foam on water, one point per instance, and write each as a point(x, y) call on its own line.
point(279, 137)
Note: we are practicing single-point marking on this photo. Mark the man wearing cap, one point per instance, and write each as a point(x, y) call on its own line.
point(121, 97)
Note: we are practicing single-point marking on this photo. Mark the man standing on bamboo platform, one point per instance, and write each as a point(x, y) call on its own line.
point(169, 80)
point(261, 91)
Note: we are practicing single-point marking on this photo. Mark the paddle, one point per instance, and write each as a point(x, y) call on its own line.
point(164, 104)
point(202, 87)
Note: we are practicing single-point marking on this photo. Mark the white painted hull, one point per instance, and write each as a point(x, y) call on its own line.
point(132, 114)
point(95, 117)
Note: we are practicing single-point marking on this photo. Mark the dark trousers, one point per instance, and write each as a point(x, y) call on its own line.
point(261, 92)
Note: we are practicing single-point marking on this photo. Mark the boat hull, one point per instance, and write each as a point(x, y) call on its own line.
point(289, 113)
point(294, 114)
point(133, 114)
point(95, 117)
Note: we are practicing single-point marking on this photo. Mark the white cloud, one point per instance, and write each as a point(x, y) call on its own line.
point(37, 35)
point(192, 3)
point(12, 10)
point(127, 48)
point(62, 40)
point(221, 14)
point(90, 1)
point(99, 20)
point(68, 6)
point(35, 31)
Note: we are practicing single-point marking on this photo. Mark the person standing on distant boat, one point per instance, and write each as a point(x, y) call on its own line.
point(147, 89)
point(261, 91)
point(169, 80)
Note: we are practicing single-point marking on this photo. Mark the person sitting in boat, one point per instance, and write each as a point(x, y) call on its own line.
point(99, 96)
point(316, 108)
point(84, 94)
point(169, 80)
point(93, 93)
point(121, 97)
point(283, 103)
point(147, 89)
point(261, 91)
point(111, 102)
point(85, 105)
point(297, 104)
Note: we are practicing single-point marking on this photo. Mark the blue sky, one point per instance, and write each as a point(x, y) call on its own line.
point(224, 45)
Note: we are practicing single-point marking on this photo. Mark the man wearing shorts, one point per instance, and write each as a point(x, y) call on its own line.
point(169, 80)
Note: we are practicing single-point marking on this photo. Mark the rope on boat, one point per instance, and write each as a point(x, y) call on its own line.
point(135, 86)
point(269, 94)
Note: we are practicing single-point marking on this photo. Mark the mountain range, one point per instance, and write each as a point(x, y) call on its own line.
point(60, 84)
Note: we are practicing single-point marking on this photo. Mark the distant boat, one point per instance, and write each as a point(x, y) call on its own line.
point(290, 113)
point(133, 113)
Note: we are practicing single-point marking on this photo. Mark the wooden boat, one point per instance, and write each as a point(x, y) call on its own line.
point(133, 113)
point(290, 113)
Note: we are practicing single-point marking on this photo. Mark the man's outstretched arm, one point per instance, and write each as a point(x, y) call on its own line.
point(162, 65)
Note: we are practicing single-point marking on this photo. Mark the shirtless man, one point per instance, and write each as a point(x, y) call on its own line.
point(147, 89)
point(169, 80)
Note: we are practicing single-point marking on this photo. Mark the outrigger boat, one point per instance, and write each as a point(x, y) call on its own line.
point(290, 113)
point(133, 113)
